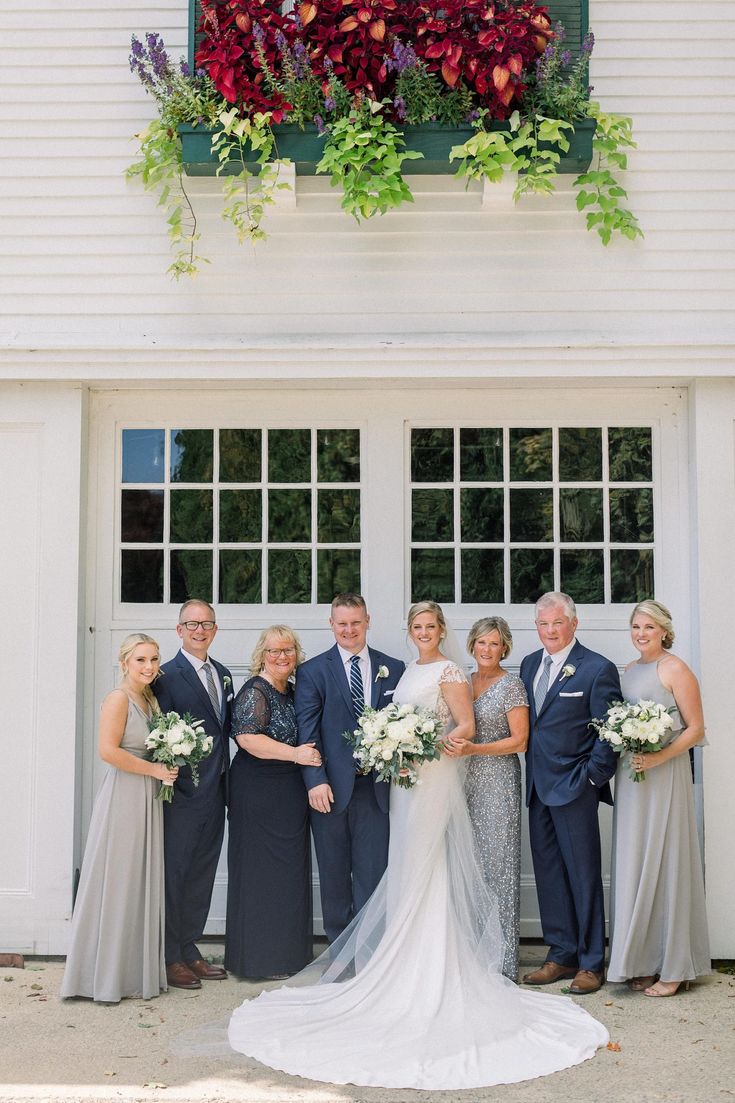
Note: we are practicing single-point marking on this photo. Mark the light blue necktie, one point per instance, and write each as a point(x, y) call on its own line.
point(543, 684)
point(356, 686)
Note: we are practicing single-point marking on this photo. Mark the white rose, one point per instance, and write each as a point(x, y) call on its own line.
point(629, 728)
point(653, 737)
point(404, 710)
point(386, 754)
point(616, 739)
point(177, 748)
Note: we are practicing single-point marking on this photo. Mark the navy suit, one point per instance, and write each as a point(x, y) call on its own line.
point(568, 769)
point(194, 822)
point(351, 841)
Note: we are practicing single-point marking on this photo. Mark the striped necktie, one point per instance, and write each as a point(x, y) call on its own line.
point(356, 686)
point(212, 689)
point(543, 684)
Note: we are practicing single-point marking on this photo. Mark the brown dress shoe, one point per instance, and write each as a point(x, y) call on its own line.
point(179, 975)
point(586, 981)
point(549, 972)
point(204, 971)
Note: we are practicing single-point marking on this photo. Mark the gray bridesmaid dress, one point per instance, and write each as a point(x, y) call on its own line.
point(658, 922)
point(493, 790)
point(116, 947)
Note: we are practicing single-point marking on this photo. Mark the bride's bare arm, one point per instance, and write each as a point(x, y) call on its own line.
point(458, 697)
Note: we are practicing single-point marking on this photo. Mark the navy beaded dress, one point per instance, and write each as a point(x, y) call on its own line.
point(269, 915)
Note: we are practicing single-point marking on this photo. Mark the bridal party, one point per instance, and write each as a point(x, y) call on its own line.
point(391, 854)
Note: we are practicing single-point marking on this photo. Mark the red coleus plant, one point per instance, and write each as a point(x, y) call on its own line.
point(355, 37)
point(482, 45)
point(487, 46)
point(229, 33)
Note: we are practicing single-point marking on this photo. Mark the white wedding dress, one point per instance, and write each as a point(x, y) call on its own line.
point(412, 994)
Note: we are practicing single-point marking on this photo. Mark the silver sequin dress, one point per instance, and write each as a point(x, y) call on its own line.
point(493, 788)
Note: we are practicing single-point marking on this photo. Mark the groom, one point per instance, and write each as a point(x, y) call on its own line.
point(567, 773)
point(349, 810)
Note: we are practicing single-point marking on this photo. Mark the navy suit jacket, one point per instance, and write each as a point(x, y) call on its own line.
point(179, 689)
point(324, 711)
point(564, 753)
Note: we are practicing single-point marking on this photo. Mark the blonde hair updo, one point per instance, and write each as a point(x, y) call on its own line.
point(660, 615)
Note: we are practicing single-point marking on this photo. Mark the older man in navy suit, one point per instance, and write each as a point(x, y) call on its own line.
point(349, 811)
point(194, 823)
point(567, 773)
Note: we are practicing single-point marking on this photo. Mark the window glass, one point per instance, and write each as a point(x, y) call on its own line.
point(239, 537)
point(545, 508)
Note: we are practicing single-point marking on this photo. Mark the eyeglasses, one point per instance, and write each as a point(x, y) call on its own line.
point(275, 652)
point(192, 625)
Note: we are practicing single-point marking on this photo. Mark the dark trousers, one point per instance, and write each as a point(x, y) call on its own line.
point(192, 841)
point(352, 852)
point(565, 845)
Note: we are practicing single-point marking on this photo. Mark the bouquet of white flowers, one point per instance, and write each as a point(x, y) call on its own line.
point(631, 728)
point(394, 740)
point(177, 741)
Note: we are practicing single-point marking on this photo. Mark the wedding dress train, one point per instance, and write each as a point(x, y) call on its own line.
point(412, 994)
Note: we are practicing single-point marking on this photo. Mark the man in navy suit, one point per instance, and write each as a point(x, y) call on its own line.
point(194, 822)
point(567, 773)
point(349, 811)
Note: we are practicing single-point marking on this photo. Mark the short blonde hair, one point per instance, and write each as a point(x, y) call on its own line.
point(660, 615)
point(283, 632)
point(484, 625)
point(127, 647)
point(420, 607)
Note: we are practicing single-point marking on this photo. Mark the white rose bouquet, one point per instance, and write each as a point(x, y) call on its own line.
point(394, 740)
point(633, 727)
point(177, 741)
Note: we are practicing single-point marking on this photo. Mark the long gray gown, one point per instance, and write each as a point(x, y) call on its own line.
point(657, 915)
point(493, 790)
point(116, 945)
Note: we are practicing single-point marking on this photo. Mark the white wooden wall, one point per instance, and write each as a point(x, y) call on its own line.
point(86, 251)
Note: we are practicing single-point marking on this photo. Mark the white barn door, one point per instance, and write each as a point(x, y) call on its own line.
point(267, 500)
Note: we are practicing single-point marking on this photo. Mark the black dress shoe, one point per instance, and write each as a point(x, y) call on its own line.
point(204, 971)
point(179, 975)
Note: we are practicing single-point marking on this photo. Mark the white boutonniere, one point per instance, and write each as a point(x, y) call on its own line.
point(227, 681)
point(567, 671)
point(382, 673)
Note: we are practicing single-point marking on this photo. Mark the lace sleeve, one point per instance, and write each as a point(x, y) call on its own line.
point(515, 695)
point(452, 673)
point(251, 712)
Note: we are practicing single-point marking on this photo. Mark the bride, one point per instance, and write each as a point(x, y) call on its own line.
point(412, 995)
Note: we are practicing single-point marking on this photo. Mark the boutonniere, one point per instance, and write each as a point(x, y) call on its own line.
point(382, 673)
point(567, 671)
point(227, 681)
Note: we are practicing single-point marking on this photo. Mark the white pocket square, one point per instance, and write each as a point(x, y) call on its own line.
point(387, 692)
point(579, 693)
point(230, 696)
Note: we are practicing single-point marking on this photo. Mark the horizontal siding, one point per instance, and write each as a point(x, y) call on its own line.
point(85, 251)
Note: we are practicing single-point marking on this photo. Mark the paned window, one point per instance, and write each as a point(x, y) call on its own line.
point(239, 516)
point(503, 514)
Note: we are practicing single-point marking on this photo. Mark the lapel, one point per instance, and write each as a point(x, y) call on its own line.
point(375, 688)
point(575, 657)
point(339, 677)
point(192, 679)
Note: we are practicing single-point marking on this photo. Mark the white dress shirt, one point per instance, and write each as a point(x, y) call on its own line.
point(365, 669)
point(198, 664)
point(557, 662)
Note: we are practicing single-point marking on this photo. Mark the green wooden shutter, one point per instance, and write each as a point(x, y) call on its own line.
point(574, 14)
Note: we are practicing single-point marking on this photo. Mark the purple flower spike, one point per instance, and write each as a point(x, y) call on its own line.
point(319, 123)
point(400, 105)
point(184, 68)
point(588, 43)
point(329, 103)
point(258, 33)
point(566, 57)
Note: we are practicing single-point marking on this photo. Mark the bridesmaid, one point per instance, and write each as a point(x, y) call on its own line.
point(269, 920)
point(493, 783)
point(658, 921)
point(117, 928)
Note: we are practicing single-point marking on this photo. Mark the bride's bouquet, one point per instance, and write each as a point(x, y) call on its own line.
point(177, 741)
point(394, 740)
point(632, 728)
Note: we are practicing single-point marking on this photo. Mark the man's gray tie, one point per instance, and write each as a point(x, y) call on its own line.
point(356, 687)
point(543, 684)
point(212, 690)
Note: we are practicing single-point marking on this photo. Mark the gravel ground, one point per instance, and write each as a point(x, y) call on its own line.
point(680, 1049)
